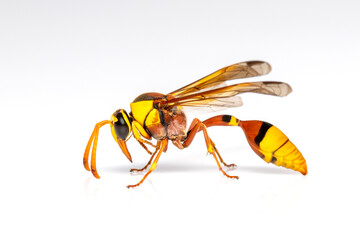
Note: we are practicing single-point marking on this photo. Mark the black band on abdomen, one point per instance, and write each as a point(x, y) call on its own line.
point(261, 134)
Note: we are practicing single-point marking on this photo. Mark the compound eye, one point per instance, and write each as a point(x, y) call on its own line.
point(122, 125)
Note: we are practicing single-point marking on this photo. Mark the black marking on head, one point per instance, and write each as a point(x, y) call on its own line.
point(261, 134)
point(226, 118)
point(121, 128)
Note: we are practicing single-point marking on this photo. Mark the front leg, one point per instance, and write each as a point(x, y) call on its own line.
point(152, 156)
point(139, 131)
point(161, 145)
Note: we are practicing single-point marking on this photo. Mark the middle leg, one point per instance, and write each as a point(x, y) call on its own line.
point(139, 131)
point(222, 120)
point(150, 161)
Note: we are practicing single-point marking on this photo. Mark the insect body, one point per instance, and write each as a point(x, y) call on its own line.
point(162, 117)
point(160, 123)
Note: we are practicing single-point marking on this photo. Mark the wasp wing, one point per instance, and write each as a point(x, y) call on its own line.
point(235, 71)
point(211, 105)
point(225, 97)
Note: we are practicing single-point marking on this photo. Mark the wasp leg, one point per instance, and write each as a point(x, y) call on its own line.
point(162, 145)
point(139, 131)
point(93, 139)
point(197, 126)
point(152, 156)
point(143, 145)
point(231, 166)
point(222, 120)
point(208, 123)
point(142, 169)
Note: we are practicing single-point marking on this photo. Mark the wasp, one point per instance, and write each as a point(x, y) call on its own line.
point(162, 117)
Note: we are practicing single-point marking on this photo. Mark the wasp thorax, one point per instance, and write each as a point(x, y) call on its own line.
point(121, 124)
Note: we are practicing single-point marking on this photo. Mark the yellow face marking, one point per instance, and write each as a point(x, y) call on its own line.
point(141, 109)
point(112, 120)
point(126, 119)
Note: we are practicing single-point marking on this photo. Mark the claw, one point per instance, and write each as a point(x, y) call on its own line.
point(231, 166)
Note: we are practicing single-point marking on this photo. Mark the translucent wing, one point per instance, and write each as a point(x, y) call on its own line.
point(212, 105)
point(235, 71)
point(214, 97)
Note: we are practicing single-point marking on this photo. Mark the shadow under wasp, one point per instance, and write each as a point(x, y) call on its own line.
point(162, 117)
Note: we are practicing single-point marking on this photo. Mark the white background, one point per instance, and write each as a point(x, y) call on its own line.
point(65, 65)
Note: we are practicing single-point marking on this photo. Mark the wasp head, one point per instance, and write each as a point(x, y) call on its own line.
point(120, 129)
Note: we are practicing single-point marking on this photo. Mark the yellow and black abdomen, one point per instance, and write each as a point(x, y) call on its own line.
point(273, 146)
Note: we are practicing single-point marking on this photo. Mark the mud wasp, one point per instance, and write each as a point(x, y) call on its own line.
point(162, 117)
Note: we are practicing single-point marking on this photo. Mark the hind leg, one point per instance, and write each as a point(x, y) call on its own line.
point(197, 126)
point(222, 120)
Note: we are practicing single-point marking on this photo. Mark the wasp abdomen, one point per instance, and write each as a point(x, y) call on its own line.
point(273, 146)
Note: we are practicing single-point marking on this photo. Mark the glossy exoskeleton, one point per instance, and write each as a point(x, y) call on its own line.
point(162, 117)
